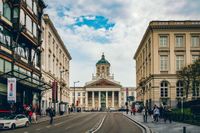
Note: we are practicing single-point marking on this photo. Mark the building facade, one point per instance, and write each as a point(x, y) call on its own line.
point(55, 66)
point(103, 92)
point(166, 47)
point(20, 41)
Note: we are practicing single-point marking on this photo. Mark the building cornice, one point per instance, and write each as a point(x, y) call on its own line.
point(156, 25)
point(47, 20)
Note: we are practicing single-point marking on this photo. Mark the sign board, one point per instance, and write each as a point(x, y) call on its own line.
point(11, 93)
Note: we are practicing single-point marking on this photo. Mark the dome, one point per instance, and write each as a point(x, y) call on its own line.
point(102, 61)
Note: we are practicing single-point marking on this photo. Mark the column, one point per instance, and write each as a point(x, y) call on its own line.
point(86, 100)
point(99, 100)
point(93, 99)
point(113, 99)
point(106, 99)
point(119, 97)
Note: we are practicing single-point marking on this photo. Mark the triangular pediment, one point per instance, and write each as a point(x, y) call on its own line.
point(103, 83)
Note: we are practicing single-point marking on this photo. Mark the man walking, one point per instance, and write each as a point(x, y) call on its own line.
point(51, 114)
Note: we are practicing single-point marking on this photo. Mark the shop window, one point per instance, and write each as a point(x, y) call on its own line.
point(7, 11)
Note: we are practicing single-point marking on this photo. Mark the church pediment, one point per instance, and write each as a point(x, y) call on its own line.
point(103, 83)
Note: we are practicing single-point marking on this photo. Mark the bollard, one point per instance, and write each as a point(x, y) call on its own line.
point(184, 129)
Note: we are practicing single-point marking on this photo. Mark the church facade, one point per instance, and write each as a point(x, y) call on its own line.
point(102, 92)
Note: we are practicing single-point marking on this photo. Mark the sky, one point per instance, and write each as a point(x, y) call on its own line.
point(113, 27)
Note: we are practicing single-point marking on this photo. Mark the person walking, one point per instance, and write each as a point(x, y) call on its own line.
point(34, 117)
point(30, 116)
point(144, 112)
point(51, 114)
point(156, 113)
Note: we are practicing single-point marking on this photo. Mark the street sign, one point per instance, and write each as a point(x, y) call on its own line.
point(11, 93)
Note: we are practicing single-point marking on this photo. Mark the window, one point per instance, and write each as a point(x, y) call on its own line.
point(83, 93)
point(15, 12)
point(164, 89)
point(7, 66)
point(23, 52)
point(7, 11)
point(194, 58)
point(49, 39)
point(179, 89)
point(163, 41)
point(22, 17)
point(34, 30)
point(179, 62)
point(195, 41)
point(5, 36)
point(35, 8)
point(29, 3)
point(1, 65)
point(179, 41)
point(29, 23)
point(79, 94)
point(195, 89)
point(163, 63)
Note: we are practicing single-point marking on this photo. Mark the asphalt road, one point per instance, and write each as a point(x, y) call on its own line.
point(82, 123)
point(118, 123)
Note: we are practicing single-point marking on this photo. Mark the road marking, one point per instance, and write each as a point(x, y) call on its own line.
point(48, 126)
point(25, 132)
point(38, 129)
point(99, 126)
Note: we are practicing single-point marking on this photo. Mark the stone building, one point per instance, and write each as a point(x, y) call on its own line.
point(102, 92)
point(55, 66)
point(166, 47)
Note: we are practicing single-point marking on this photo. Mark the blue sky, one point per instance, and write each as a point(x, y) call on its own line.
point(115, 27)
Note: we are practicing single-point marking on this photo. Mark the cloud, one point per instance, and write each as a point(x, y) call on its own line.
point(130, 18)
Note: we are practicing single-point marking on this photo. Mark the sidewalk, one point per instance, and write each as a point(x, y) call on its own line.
point(47, 118)
point(162, 127)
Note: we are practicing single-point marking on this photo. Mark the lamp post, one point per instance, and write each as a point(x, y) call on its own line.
point(74, 93)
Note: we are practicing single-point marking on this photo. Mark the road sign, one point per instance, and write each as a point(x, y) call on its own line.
point(11, 93)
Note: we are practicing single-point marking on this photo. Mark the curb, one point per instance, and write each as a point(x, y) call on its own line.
point(56, 117)
point(146, 129)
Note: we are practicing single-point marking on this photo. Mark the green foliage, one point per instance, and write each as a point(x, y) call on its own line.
point(190, 75)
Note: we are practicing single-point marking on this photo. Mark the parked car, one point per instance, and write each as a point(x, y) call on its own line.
point(122, 110)
point(13, 121)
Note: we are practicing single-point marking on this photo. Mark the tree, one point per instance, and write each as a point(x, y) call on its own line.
point(190, 75)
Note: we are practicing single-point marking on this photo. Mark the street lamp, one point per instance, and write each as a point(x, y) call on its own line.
point(74, 93)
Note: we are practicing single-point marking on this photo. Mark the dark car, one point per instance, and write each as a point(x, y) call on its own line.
point(122, 110)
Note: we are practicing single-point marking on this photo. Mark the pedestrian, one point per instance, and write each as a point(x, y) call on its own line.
point(144, 112)
point(156, 114)
point(51, 114)
point(34, 117)
point(69, 110)
point(30, 116)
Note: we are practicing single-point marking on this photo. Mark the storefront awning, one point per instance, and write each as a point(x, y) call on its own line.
point(26, 80)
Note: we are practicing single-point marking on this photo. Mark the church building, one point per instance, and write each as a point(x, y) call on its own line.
point(102, 92)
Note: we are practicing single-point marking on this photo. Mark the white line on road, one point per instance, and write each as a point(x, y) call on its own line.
point(48, 126)
point(99, 125)
point(25, 132)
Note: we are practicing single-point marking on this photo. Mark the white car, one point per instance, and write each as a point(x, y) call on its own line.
point(12, 121)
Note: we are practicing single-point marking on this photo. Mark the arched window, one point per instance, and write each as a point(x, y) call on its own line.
point(164, 89)
point(179, 89)
point(7, 11)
